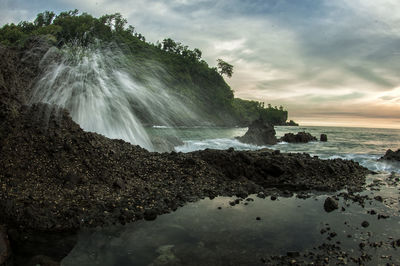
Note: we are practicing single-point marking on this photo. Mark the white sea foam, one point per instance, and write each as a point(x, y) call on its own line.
point(219, 144)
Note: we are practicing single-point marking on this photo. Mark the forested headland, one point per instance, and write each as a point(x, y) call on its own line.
point(189, 77)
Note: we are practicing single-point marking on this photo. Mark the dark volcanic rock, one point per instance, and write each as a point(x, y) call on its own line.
point(5, 249)
point(150, 214)
point(391, 155)
point(323, 138)
point(330, 204)
point(54, 177)
point(365, 224)
point(43, 261)
point(34, 162)
point(300, 137)
point(259, 133)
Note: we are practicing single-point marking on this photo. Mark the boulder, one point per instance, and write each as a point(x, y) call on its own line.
point(259, 133)
point(391, 155)
point(301, 137)
point(323, 138)
point(330, 204)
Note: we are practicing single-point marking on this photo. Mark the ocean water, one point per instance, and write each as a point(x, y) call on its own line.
point(364, 145)
point(212, 232)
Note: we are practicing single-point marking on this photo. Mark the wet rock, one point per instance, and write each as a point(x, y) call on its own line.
point(261, 195)
point(330, 204)
point(378, 198)
point(5, 248)
point(293, 254)
point(259, 133)
point(391, 155)
point(300, 137)
point(365, 224)
point(382, 216)
point(150, 214)
point(323, 137)
point(396, 243)
point(258, 218)
point(43, 261)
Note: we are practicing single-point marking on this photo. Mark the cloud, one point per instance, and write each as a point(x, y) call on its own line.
point(311, 56)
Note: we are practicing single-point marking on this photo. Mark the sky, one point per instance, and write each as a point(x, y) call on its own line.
point(328, 62)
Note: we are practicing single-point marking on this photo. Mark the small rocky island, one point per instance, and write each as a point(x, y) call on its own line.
point(391, 156)
point(259, 133)
point(301, 137)
point(262, 133)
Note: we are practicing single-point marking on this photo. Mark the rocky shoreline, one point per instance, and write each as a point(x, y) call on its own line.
point(56, 179)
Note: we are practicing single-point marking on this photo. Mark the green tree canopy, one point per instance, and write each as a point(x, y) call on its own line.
point(225, 68)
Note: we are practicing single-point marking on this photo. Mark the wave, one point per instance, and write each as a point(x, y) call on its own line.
point(369, 161)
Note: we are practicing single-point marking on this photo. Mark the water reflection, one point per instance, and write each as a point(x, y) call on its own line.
point(212, 232)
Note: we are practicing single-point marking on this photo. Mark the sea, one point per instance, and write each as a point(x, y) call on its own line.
point(364, 145)
point(257, 230)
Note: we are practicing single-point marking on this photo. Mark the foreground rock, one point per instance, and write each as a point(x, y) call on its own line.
point(301, 137)
point(259, 133)
point(55, 176)
point(330, 204)
point(5, 249)
point(391, 155)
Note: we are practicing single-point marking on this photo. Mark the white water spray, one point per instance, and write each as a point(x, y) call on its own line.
point(98, 88)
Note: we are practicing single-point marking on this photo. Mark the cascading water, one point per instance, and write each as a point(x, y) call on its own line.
point(106, 92)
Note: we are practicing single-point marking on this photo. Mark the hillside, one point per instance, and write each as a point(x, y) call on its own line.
point(168, 66)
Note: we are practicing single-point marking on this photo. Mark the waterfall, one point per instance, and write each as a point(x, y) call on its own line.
point(107, 92)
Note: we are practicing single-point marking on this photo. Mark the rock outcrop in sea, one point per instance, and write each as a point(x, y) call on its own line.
point(259, 133)
point(391, 155)
point(300, 137)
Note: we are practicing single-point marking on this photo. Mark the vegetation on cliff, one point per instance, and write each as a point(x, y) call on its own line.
point(202, 86)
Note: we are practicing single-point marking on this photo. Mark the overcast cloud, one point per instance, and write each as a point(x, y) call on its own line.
point(326, 61)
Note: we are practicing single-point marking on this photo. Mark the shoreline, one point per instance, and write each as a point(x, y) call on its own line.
point(56, 178)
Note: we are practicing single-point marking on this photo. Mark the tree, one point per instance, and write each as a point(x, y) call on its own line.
point(169, 45)
point(225, 68)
